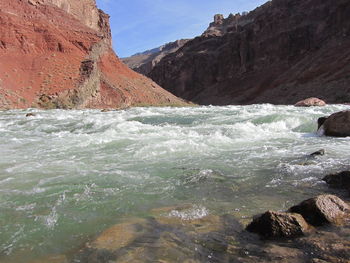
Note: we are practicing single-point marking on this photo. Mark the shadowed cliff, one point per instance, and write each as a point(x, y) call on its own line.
point(280, 53)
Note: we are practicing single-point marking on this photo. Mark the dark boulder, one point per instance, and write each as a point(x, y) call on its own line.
point(30, 115)
point(338, 124)
point(338, 180)
point(278, 225)
point(319, 152)
point(321, 210)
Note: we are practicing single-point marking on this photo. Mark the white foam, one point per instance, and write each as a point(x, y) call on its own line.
point(196, 212)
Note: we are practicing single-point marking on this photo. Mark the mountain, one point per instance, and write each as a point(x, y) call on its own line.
point(282, 52)
point(58, 54)
point(144, 62)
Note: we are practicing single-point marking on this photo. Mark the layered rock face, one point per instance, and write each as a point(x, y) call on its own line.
point(282, 52)
point(144, 62)
point(83, 10)
point(57, 54)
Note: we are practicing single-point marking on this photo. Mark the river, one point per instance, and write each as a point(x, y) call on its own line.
point(65, 176)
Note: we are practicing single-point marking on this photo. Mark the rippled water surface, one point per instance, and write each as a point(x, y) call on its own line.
point(67, 175)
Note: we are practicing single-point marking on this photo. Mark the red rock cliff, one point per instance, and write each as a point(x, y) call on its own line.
point(282, 52)
point(57, 54)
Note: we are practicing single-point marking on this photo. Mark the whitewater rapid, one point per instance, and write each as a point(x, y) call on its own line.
point(67, 175)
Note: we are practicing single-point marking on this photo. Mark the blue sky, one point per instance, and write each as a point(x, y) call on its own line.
point(139, 25)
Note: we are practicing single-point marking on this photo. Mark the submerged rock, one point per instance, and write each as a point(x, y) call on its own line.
point(328, 246)
point(278, 225)
point(30, 115)
point(337, 125)
point(164, 237)
point(310, 102)
point(321, 210)
point(52, 259)
point(338, 180)
point(119, 235)
point(319, 152)
point(168, 236)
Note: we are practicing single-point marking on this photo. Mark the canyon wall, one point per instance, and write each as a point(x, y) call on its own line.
point(280, 53)
point(58, 54)
point(84, 10)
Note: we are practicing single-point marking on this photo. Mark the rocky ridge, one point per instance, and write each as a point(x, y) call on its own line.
point(58, 54)
point(281, 53)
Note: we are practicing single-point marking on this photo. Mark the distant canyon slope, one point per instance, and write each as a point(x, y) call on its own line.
point(57, 54)
point(282, 52)
point(144, 62)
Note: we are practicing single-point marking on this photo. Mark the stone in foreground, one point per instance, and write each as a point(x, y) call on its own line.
point(337, 125)
point(321, 210)
point(278, 225)
point(310, 102)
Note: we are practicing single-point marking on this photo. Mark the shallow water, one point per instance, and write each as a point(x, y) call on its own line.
point(67, 175)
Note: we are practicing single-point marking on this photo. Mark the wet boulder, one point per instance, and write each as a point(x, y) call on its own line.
point(278, 225)
point(30, 115)
point(337, 125)
point(320, 152)
point(310, 102)
point(338, 180)
point(321, 210)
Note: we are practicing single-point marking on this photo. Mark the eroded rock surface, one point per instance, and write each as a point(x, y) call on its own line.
point(323, 209)
point(310, 102)
point(279, 225)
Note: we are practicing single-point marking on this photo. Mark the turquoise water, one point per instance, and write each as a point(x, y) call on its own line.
point(67, 175)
